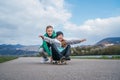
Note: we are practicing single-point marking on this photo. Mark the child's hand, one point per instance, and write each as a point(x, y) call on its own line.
point(83, 40)
point(41, 36)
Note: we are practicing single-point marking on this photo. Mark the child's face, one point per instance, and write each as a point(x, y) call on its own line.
point(60, 38)
point(49, 31)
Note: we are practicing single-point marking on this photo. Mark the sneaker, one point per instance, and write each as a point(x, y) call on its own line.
point(63, 59)
point(67, 58)
point(44, 60)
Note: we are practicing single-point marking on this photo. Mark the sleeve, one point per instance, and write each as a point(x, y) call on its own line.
point(49, 40)
point(70, 42)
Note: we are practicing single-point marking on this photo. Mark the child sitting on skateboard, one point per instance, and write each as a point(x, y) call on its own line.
point(44, 49)
point(60, 48)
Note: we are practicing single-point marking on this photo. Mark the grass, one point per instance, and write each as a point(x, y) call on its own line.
point(94, 57)
point(6, 58)
point(115, 57)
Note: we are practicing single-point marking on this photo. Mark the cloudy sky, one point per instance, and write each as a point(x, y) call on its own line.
point(21, 21)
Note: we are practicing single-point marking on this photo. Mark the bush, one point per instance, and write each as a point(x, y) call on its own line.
point(96, 50)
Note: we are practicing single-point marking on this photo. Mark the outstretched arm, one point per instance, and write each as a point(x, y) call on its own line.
point(74, 41)
point(49, 40)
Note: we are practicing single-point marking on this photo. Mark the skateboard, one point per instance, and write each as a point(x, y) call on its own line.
point(59, 62)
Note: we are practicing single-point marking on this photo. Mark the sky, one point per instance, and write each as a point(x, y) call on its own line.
point(21, 21)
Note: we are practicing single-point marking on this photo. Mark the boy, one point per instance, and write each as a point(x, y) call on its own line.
point(45, 48)
point(60, 47)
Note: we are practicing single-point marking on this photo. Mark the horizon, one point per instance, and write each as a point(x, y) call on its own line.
point(22, 21)
point(75, 44)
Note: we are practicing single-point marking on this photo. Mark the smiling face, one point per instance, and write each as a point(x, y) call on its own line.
point(49, 31)
point(60, 37)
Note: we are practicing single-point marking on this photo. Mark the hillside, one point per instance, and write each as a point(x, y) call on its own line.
point(32, 50)
point(18, 50)
point(109, 41)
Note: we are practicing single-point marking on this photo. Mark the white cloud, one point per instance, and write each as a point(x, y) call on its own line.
point(95, 29)
point(22, 20)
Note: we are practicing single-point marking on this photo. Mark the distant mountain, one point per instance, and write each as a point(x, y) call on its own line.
point(109, 41)
point(9, 46)
point(29, 48)
point(18, 50)
point(32, 50)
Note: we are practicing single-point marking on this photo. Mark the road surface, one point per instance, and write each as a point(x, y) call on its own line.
point(30, 68)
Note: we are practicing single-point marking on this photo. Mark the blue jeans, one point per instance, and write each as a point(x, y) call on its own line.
point(57, 55)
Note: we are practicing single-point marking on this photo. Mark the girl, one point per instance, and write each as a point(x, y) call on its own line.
point(45, 47)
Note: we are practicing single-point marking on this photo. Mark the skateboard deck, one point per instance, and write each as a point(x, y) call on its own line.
point(60, 62)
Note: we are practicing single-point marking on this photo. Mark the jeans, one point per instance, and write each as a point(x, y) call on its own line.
point(42, 53)
point(57, 55)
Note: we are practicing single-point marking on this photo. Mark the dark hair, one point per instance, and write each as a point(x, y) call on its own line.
point(49, 26)
point(59, 33)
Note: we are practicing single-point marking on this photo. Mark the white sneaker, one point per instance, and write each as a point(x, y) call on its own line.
point(44, 60)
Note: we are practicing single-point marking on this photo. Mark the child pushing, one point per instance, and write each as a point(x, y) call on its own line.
point(45, 47)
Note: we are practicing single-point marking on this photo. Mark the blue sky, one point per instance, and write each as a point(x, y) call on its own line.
point(22, 21)
point(83, 10)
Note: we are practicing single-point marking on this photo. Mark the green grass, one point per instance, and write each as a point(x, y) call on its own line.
point(102, 57)
point(115, 57)
point(6, 58)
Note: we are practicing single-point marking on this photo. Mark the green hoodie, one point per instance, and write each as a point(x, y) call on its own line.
point(44, 45)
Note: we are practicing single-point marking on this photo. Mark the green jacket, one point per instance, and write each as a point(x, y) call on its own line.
point(44, 44)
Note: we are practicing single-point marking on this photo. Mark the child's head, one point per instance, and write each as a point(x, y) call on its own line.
point(59, 36)
point(49, 30)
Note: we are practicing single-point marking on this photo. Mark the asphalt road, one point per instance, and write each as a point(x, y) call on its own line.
point(77, 69)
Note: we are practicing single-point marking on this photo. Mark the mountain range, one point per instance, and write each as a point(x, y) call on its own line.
point(32, 50)
point(18, 50)
point(109, 41)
